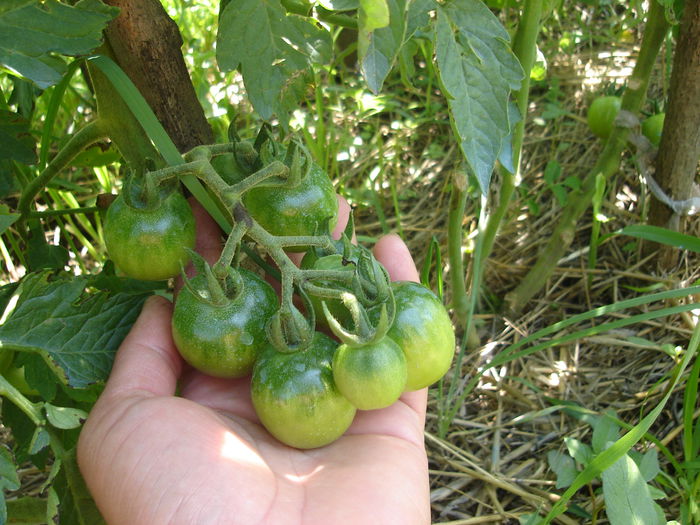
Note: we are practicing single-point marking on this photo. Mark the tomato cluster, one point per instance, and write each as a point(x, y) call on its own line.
point(306, 384)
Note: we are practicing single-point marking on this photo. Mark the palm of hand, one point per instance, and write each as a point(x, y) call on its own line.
point(202, 458)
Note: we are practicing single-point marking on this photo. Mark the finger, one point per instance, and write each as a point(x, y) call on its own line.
point(391, 251)
point(147, 360)
point(344, 210)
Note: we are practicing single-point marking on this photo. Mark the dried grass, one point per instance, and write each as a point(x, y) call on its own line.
point(491, 467)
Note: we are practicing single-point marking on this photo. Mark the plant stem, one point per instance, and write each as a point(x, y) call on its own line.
point(87, 136)
point(460, 299)
point(525, 48)
point(67, 211)
point(607, 164)
point(31, 410)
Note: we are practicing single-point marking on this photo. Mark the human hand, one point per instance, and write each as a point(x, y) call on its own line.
point(151, 457)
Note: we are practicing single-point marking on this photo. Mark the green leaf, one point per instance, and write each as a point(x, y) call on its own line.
point(42, 255)
point(649, 465)
point(563, 466)
point(662, 236)
point(40, 440)
point(30, 35)
point(578, 450)
point(605, 431)
point(273, 50)
point(477, 71)
point(76, 506)
point(627, 498)
point(7, 218)
point(10, 5)
point(374, 14)
point(16, 143)
point(378, 42)
point(64, 417)
point(75, 332)
point(9, 480)
point(26, 510)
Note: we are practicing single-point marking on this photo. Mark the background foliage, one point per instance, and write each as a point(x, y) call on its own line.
point(460, 125)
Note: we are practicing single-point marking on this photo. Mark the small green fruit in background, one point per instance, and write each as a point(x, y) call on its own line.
point(652, 128)
point(601, 115)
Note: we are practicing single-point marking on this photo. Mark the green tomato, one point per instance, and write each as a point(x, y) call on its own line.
point(652, 127)
point(223, 341)
point(601, 115)
point(370, 376)
point(423, 330)
point(309, 208)
point(296, 398)
point(150, 244)
point(228, 168)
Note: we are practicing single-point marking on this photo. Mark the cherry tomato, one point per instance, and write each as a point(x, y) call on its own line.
point(309, 208)
point(150, 244)
point(423, 330)
point(223, 341)
point(652, 128)
point(296, 398)
point(370, 376)
point(601, 115)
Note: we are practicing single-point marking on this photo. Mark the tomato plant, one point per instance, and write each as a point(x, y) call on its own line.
point(601, 115)
point(652, 127)
point(372, 375)
point(223, 338)
point(295, 395)
point(150, 242)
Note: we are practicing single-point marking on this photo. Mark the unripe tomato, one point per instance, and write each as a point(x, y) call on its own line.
point(296, 398)
point(150, 244)
point(423, 330)
point(652, 127)
point(601, 115)
point(370, 376)
point(224, 341)
point(309, 208)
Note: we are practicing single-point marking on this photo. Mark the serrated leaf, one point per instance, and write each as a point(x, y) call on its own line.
point(16, 142)
point(32, 33)
point(627, 498)
point(378, 45)
point(563, 466)
point(75, 332)
point(64, 417)
point(477, 71)
point(273, 50)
